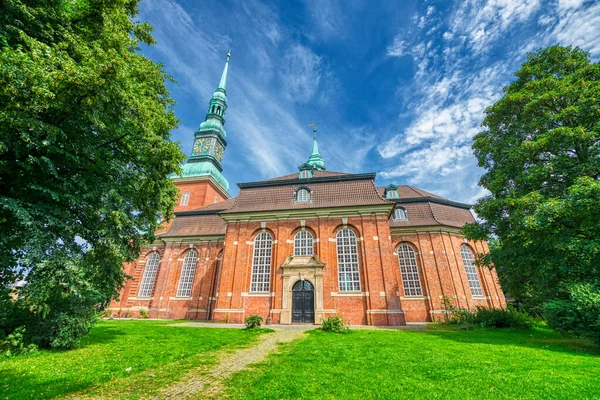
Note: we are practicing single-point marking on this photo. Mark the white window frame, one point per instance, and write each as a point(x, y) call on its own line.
point(188, 271)
point(149, 276)
point(303, 196)
point(471, 269)
point(261, 263)
point(185, 199)
point(409, 270)
point(303, 243)
point(304, 174)
point(347, 260)
point(400, 214)
point(392, 194)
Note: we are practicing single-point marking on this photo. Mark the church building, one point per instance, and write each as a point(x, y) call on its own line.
point(304, 246)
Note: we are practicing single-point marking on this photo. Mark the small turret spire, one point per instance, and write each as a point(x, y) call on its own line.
point(315, 161)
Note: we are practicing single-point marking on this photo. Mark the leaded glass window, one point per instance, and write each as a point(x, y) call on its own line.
point(261, 263)
point(303, 243)
point(400, 214)
point(188, 270)
point(185, 198)
point(150, 270)
point(303, 196)
point(409, 270)
point(347, 255)
point(470, 268)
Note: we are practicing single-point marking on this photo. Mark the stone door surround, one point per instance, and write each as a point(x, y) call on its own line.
point(296, 268)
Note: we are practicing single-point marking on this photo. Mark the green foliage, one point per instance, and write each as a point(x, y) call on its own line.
point(253, 321)
point(541, 150)
point(579, 315)
point(14, 343)
point(159, 353)
point(335, 324)
point(486, 317)
point(143, 313)
point(85, 122)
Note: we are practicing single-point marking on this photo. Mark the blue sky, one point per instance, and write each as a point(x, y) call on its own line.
point(398, 87)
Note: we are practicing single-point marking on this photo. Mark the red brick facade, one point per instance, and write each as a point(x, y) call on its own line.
point(221, 286)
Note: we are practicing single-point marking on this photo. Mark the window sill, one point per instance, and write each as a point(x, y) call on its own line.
point(141, 298)
point(180, 298)
point(350, 294)
point(258, 294)
point(414, 297)
point(480, 298)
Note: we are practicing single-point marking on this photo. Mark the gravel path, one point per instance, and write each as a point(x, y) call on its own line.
point(209, 381)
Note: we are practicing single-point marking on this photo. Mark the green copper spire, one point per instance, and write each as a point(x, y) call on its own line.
point(223, 82)
point(209, 139)
point(315, 161)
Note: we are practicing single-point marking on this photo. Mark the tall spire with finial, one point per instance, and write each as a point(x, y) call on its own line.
point(209, 139)
point(315, 161)
point(223, 82)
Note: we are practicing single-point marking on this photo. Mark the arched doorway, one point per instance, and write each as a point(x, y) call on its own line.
point(303, 302)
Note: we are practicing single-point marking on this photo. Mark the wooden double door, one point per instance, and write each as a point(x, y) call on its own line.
point(303, 302)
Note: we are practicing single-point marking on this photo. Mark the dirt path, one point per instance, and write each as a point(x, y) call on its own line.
point(209, 382)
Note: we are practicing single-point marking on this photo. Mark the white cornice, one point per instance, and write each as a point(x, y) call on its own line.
point(407, 230)
point(308, 213)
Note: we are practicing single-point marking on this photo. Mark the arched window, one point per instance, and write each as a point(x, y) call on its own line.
point(303, 196)
point(392, 194)
point(219, 110)
point(261, 263)
point(304, 174)
point(149, 276)
point(188, 270)
point(347, 255)
point(400, 214)
point(303, 244)
point(212, 109)
point(470, 268)
point(409, 270)
point(185, 198)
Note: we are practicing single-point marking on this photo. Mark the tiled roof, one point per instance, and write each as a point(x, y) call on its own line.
point(428, 214)
point(409, 192)
point(220, 206)
point(316, 174)
point(324, 194)
point(196, 225)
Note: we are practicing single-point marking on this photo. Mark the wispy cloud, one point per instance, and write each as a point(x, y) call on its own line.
point(456, 79)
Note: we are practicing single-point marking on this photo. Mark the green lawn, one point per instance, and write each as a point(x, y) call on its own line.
point(156, 353)
point(439, 363)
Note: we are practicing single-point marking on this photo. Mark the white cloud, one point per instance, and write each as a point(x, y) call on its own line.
point(398, 48)
point(301, 73)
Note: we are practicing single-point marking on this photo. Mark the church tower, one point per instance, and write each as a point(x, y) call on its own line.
point(201, 181)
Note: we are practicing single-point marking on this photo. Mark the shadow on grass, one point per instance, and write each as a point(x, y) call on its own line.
point(537, 338)
point(33, 388)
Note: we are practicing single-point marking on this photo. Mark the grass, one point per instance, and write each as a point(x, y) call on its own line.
point(156, 353)
point(438, 363)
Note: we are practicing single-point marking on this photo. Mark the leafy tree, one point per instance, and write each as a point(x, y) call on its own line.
point(541, 149)
point(85, 121)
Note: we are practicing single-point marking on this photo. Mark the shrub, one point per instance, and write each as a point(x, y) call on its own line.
point(487, 317)
point(455, 316)
point(335, 324)
point(502, 318)
point(143, 313)
point(253, 321)
point(577, 316)
point(15, 344)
